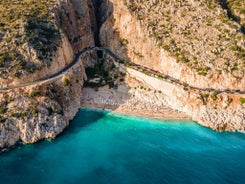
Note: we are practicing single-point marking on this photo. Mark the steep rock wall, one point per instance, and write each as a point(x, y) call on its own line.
point(35, 113)
point(218, 114)
point(127, 36)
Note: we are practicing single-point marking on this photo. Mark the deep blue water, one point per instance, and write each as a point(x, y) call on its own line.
point(103, 147)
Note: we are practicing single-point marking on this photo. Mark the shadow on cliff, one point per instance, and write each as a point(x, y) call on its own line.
point(109, 35)
point(101, 24)
point(106, 79)
point(110, 38)
point(81, 22)
point(116, 77)
point(225, 5)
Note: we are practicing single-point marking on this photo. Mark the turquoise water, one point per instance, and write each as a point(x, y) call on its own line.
point(102, 147)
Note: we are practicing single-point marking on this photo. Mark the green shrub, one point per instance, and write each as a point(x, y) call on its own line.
point(185, 88)
point(2, 110)
point(23, 115)
point(124, 41)
point(242, 100)
point(66, 81)
point(229, 100)
point(9, 99)
point(34, 111)
point(214, 96)
point(2, 120)
point(160, 76)
point(34, 93)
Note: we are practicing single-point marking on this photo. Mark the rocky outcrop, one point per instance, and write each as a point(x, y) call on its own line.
point(38, 112)
point(42, 112)
point(133, 38)
point(128, 36)
point(219, 112)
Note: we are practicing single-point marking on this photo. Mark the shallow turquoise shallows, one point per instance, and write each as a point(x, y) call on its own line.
point(108, 148)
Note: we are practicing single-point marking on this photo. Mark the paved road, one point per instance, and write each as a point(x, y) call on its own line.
point(132, 65)
point(166, 78)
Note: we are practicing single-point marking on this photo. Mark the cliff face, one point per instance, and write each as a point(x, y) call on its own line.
point(179, 44)
point(219, 112)
point(34, 113)
point(132, 30)
point(40, 46)
point(237, 10)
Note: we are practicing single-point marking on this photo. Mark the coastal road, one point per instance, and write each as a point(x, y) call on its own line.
point(129, 64)
point(165, 77)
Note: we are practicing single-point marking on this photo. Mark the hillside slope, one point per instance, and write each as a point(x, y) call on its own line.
point(37, 39)
point(192, 41)
point(198, 43)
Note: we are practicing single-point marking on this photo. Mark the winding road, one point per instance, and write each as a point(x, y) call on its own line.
point(129, 64)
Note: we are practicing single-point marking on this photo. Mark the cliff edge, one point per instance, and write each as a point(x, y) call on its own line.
point(195, 42)
point(39, 38)
point(201, 44)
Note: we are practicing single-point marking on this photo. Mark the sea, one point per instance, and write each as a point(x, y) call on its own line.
point(104, 147)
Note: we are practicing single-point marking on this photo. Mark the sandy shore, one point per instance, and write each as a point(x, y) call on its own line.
point(128, 103)
point(167, 116)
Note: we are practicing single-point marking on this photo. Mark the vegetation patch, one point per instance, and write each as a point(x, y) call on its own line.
point(242, 100)
point(199, 34)
point(26, 25)
point(66, 81)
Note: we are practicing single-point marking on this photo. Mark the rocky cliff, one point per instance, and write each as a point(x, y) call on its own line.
point(37, 112)
point(179, 39)
point(193, 41)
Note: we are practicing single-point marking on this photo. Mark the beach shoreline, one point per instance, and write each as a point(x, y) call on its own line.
point(136, 113)
point(115, 101)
